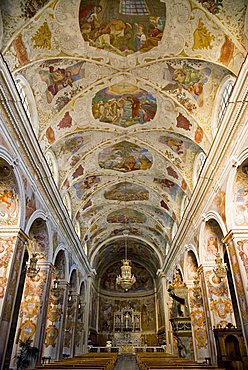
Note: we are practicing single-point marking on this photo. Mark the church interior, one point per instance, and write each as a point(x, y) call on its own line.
point(124, 184)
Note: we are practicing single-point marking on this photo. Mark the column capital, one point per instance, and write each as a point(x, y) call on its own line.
point(161, 275)
point(235, 234)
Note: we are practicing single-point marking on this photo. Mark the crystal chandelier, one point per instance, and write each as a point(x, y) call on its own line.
point(126, 279)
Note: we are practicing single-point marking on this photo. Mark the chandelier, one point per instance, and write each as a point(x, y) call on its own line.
point(126, 279)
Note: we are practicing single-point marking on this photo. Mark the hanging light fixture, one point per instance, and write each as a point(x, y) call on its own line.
point(126, 279)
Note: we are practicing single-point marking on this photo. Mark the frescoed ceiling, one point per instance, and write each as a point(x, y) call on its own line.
point(125, 94)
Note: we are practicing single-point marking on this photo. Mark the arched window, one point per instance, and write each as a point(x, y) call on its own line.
point(52, 164)
point(199, 162)
point(28, 101)
point(224, 100)
point(67, 203)
point(221, 101)
point(174, 230)
point(77, 229)
point(185, 202)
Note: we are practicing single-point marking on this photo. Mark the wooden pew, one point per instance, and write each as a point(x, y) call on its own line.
point(159, 361)
point(89, 361)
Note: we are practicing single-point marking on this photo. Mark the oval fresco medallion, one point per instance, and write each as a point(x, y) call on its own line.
point(122, 26)
point(126, 216)
point(124, 105)
point(125, 157)
point(127, 191)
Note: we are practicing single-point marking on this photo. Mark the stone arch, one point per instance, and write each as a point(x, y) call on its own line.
point(212, 231)
point(191, 263)
point(73, 278)
point(12, 167)
point(237, 184)
point(62, 251)
point(40, 214)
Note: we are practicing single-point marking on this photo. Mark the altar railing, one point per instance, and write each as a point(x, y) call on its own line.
point(127, 348)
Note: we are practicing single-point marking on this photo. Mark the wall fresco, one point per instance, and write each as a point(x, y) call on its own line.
point(145, 305)
point(125, 157)
point(143, 282)
point(122, 27)
point(199, 328)
point(212, 243)
point(191, 266)
point(7, 245)
point(242, 248)
point(9, 202)
point(124, 105)
point(241, 190)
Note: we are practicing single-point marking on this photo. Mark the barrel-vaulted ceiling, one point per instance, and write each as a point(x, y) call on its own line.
point(124, 92)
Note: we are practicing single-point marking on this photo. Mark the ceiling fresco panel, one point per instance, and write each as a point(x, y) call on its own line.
point(124, 105)
point(125, 157)
point(122, 27)
point(125, 93)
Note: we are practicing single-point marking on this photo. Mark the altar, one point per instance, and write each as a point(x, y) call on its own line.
point(127, 328)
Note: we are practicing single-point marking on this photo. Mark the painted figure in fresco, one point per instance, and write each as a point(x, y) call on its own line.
point(213, 6)
point(59, 78)
point(140, 37)
point(189, 79)
point(192, 266)
point(212, 245)
point(125, 157)
point(123, 109)
point(7, 197)
point(243, 253)
point(157, 26)
point(242, 206)
point(123, 34)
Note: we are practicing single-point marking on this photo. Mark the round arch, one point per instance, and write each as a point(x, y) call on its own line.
point(13, 162)
point(211, 215)
point(41, 214)
point(230, 188)
point(61, 248)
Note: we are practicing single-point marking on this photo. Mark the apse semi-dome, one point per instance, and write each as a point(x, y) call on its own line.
point(122, 27)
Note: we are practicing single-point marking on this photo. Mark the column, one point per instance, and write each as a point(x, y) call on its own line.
point(54, 333)
point(217, 303)
point(12, 247)
point(33, 308)
point(166, 308)
point(237, 248)
point(70, 323)
point(88, 304)
point(198, 321)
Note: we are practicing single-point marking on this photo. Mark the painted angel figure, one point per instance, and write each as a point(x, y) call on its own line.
point(187, 78)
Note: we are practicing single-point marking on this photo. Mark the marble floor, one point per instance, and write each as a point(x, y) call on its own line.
point(126, 362)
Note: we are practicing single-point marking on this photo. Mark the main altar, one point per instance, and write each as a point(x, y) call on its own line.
point(127, 328)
